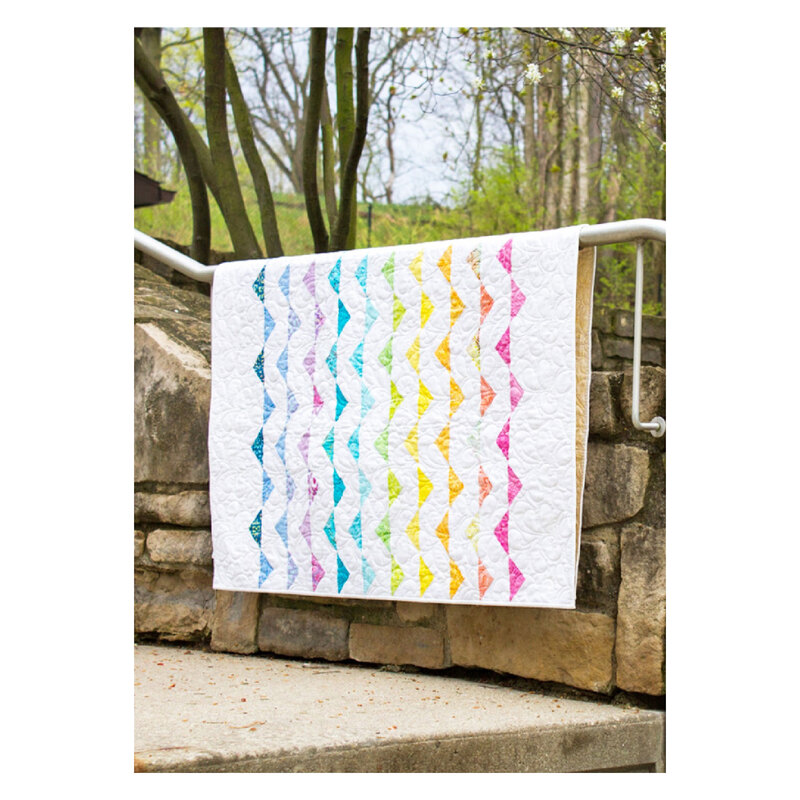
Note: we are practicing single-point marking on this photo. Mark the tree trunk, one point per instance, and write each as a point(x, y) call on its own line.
point(155, 89)
point(328, 166)
point(243, 237)
point(311, 135)
point(343, 238)
point(151, 42)
point(345, 118)
point(244, 128)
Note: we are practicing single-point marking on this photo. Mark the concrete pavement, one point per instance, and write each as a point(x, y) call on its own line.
point(198, 711)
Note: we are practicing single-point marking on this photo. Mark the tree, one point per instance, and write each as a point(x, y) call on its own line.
point(210, 165)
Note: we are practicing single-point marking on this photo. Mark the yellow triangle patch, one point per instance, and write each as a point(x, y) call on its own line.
point(474, 350)
point(425, 577)
point(443, 352)
point(411, 442)
point(397, 575)
point(413, 530)
point(456, 578)
point(416, 267)
point(455, 485)
point(425, 310)
point(443, 531)
point(473, 529)
point(425, 486)
point(456, 396)
point(456, 307)
point(443, 442)
point(424, 400)
point(413, 354)
point(445, 261)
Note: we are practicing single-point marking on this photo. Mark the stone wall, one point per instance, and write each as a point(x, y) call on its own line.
point(615, 638)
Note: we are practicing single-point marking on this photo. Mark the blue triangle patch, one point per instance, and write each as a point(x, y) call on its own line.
point(352, 443)
point(283, 362)
point(255, 529)
point(370, 315)
point(269, 324)
point(365, 487)
point(341, 402)
point(361, 274)
point(357, 359)
point(259, 366)
point(333, 276)
point(330, 531)
point(280, 446)
point(344, 316)
point(292, 569)
point(281, 527)
point(264, 571)
point(269, 406)
point(283, 282)
point(290, 486)
point(266, 487)
point(258, 285)
point(294, 322)
point(341, 573)
point(338, 488)
point(291, 402)
point(327, 445)
point(367, 572)
point(331, 360)
point(367, 401)
point(258, 447)
point(355, 529)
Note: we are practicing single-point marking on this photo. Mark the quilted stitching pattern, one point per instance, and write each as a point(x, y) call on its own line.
point(398, 423)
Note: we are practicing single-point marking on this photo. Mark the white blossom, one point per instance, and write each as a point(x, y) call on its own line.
point(478, 83)
point(652, 87)
point(532, 73)
point(618, 92)
point(663, 147)
point(618, 43)
point(639, 45)
point(566, 33)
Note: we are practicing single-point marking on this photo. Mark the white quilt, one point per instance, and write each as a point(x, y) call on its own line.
point(399, 423)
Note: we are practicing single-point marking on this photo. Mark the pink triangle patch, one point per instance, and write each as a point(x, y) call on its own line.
point(308, 279)
point(318, 403)
point(317, 572)
point(303, 445)
point(305, 527)
point(516, 391)
point(514, 485)
point(504, 346)
point(309, 362)
point(484, 578)
point(502, 438)
point(501, 532)
point(515, 578)
point(504, 256)
point(517, 298)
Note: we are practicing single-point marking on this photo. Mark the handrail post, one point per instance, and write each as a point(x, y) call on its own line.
point(657, 426)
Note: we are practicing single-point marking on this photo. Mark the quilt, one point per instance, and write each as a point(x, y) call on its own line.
point(403, 423)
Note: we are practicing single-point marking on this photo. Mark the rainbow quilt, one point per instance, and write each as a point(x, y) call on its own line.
point(401, 423)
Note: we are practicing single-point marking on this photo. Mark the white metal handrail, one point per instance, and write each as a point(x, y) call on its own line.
point(632, 230)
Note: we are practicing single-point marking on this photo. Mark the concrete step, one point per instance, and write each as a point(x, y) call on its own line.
point(197, 711)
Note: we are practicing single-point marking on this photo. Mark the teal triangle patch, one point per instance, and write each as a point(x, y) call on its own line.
point(341, 573)
point(341, 402)
point(355, 529)
point(330, 530)
point(338, 488)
